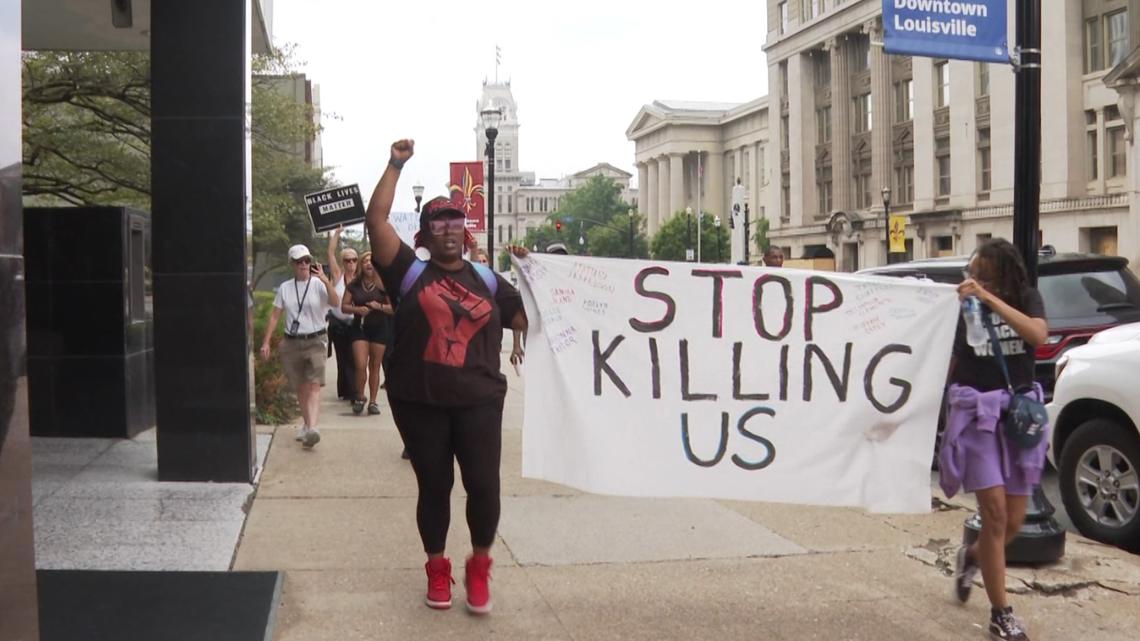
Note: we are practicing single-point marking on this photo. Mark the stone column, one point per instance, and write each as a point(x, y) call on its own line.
point(676, 182)
point(963, 134)
point(924, 180)
point(642, 188)
point(881, 151)
point(715, 198)
point(801, 141)
point(840, 124)
point(664, 201)
point(652, 201)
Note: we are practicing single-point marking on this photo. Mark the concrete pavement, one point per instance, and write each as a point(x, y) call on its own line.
point(340, 520)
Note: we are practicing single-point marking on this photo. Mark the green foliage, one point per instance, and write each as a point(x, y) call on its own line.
point(276, 402)
point(87, 137)
point(598, 200)
point(539, 238)
point(613, 239)
point(680, 232)
point(759, 228)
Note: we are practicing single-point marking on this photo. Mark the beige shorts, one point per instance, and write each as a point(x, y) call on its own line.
point(303, 360)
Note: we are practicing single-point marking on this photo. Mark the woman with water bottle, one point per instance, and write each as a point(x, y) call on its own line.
point(999, 310)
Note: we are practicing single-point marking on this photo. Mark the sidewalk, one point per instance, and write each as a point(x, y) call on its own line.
point(340, 521)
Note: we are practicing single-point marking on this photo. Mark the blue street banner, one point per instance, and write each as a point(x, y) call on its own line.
point(958, 29)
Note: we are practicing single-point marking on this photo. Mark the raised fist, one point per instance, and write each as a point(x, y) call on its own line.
point(402, 150)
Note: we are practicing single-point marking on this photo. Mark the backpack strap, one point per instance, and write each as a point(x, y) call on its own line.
point(411, 276)
point(488, 277)
point(417, 269)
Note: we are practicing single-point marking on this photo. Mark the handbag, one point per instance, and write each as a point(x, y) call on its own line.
point(1025, 420)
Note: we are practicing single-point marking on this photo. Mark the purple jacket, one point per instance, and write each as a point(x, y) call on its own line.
point(971, 426)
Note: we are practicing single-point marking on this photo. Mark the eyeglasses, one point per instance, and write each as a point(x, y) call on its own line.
point(303, 261)
point(447, 226)
point(349, 260)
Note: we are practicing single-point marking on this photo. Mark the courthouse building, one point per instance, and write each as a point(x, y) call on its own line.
point(842, 120)
point(523, 202)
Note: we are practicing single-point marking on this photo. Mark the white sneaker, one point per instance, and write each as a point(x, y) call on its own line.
point(300, 434)
point(311, 438)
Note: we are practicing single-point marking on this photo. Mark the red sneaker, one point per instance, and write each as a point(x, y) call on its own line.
point(477, 582)
point(439, 583)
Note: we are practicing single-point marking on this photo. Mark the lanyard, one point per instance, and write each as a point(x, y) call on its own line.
point(301, 297)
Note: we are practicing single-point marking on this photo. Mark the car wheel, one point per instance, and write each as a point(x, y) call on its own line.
point(1099, 482)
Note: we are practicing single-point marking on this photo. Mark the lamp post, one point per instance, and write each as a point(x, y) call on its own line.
point(716, 222)
point(630, 215)
point(747, 240)
point(688, 233)
point(491, 117)
point(418, 192)
point(887, 222)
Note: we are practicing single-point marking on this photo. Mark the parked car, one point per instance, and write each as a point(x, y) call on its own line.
point(1095, 446)
point(1083, 294)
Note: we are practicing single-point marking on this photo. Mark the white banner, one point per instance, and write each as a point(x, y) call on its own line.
point(662, 379)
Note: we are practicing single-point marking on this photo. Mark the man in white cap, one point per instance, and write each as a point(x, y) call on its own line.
point(305, 343)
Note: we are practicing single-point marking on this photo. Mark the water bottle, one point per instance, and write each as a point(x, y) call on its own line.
point(976, 333)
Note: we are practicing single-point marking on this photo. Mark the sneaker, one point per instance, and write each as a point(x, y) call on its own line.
point(965, 569)
point(310, 438)
point(358, 406)
point(439, 583)
point(1005, 626)
point(300, 433)
point(477, 582)
point(373, 409)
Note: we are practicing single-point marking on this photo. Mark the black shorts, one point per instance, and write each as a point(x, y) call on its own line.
point(375, 333)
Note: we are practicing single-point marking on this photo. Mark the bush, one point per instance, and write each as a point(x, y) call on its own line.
point(275, 400)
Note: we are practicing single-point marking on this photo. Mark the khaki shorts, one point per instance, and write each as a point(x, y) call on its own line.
point(303, 360)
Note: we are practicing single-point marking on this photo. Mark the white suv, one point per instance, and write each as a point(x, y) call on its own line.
point(1095, 446)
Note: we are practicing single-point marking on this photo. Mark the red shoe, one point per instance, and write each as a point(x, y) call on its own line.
point(439, 583)
point(477, 581)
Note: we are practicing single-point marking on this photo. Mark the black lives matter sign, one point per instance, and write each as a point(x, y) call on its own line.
point(331, 208)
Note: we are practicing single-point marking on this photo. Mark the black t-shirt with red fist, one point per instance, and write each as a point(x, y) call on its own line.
point(448, 334)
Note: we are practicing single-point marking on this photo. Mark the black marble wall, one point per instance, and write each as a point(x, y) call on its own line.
point(200, 55)
point(18, 612)
point(90, 331)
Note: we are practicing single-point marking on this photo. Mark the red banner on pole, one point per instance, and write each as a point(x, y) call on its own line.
point(467, 192)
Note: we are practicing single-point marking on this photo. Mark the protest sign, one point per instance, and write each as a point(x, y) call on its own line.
point(334, 207)
point(679, 380)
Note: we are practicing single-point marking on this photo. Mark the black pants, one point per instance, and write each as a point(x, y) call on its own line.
point(340, 340)
point(435, 438)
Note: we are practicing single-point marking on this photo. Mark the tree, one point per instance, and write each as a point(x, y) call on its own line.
point(680, 233)
point(539, 238)
point(760, 236)
point(87, 140)
point(598, 199)
point(613, 239)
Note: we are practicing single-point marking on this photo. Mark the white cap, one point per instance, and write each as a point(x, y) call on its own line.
point(297, 252)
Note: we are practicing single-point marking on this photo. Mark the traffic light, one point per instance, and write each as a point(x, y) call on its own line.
point(558, 226)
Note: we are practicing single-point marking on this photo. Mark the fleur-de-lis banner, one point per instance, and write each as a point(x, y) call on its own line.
point(467, 193)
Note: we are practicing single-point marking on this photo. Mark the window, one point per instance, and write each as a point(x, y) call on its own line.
point(784, 80)
point(823, 125)
point(1117, 152)
point(863, 113)
point(941, 84)
point(942, 246)
point(983, 79)
point(782, 10)
point(785, 199)
point(500, 233)
point(1092, 156)
point(904, 177)
point(861, 54)
point(863, 186)
point(1101, 240)
point(1094, 56)
point(808, 9)
point(942, 165)
point(904, 100)
point(823, 190)
point(785, 143)
point(985, 169)
point(1116, 24)
point(822, 70)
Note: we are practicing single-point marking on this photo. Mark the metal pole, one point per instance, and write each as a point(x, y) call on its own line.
point(490, 197)
point(631, 233)
point(747, 241)
point(700, 217)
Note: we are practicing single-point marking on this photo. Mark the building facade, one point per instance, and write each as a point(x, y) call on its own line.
point(523, 202)
point(847, 120)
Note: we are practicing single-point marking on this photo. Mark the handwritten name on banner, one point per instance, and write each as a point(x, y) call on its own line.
point(682, 380)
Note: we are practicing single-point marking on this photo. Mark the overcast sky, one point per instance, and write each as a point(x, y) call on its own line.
point(579, 71)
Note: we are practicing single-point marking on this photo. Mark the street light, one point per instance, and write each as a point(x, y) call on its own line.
point(688, 232)
point(887, 221)
point(491, 117)
point(716, 222)
point(418, 192)
point(630, 215)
